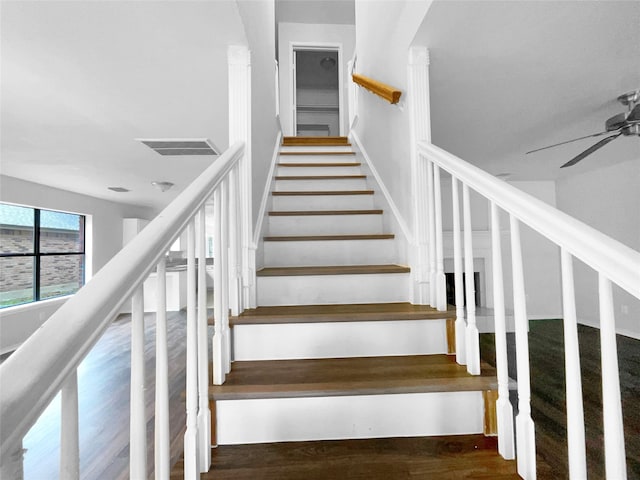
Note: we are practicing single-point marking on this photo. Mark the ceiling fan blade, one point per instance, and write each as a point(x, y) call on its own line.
point(568, 141)
point(634, 115)
point(590, 150)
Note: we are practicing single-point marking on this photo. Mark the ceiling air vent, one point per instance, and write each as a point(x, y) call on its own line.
point(192, 146)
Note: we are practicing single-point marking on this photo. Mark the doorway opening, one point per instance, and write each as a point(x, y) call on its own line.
point(316, 92)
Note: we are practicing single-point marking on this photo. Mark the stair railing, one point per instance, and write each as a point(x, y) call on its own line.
point(48, 361)
point(614, 262)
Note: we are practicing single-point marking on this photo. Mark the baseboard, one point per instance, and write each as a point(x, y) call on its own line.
point(619, 331)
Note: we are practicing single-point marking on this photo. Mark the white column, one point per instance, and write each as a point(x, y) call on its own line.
point(420, 130)
point(575, 410)
point(204, 414)
point(138, 420)
point(162, 452)
point(614, 451)
point(69, 432)
point(218, 342)
point(525, 429)
point(504, 410)
point(472, 335)
point(461, 326)
point(440, 279)
point(191, 457)
point(239, 59)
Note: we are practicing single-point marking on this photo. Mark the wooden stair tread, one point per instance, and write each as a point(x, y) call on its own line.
point(331, 270)
point(316, 141)
point(307, 238)
point(350, 376)
point(287, 213)
point(317, 153)
point(322, 192)
point(320, 177)
point(321, 164)
point(364, 312)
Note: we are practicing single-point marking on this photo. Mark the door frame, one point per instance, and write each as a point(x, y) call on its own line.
point(334, 46)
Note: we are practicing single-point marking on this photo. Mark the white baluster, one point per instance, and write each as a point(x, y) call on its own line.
point(191, 457)
point(224, 286)
point(69, 439)
point(441, 281)
point(162, 454)
point(575, 411)
point(525, 429)
point(204, 414)
point(234, 245)
point(431, 234)
point(218, 342)
point(504, 410)
point(614, 451)
point(472, 335)
point(461, 326)
point(138, 420)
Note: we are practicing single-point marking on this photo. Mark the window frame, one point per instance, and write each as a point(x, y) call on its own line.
point(37, 254)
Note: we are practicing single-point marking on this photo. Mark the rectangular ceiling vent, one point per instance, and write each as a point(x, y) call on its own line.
point(176, 146)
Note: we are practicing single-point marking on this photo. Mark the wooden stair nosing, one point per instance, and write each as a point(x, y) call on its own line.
point(332, 270)
point(320, 164)
point(315, 141)
point(350, 376)
point(310, 193)
point(314, 153)
point(293, 213)
point(366, 312)
point(312, 238)
point(320, 177)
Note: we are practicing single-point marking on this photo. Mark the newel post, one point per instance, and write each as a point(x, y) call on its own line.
point(420, 130)
point(239, 59)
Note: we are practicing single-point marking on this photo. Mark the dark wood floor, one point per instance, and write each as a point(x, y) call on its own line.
point(104, 405)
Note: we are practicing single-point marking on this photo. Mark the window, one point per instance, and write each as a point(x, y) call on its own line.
point(41, 254)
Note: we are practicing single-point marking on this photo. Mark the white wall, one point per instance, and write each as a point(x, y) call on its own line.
point(310, 33)
point(104, 232)
point(259, 25)
point(607, 199)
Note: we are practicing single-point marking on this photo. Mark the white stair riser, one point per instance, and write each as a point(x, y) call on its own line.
point(321, 184)
point(317, 158)
point(322, 202)
point(339, 339)
point(296, 171)
point(332, 289)
point(329, 252)
point(324, 224)
point(361, 416)
point(327, 148)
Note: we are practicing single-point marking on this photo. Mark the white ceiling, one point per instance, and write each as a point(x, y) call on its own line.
point(82, 80)
point(510, 76)
point(316, 11)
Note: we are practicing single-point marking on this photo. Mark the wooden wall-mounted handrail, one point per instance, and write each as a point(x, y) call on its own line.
point(390, 94)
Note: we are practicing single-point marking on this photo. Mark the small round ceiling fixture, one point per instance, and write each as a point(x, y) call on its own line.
point(328, 63)
point(162, 186)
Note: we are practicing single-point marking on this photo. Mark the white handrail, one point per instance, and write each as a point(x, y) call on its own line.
point(36, 371)
point(613, 259)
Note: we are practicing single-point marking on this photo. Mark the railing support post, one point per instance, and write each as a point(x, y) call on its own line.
point(472, 336)
point(614, 451)
point(461, 326)
point(525, 429)
point(191, 457)
point(224, 285)
point(504, 410)
point(575, 410)
point(69, 431)
point(138, 420)
point(235, 284)
point(440, 279)
point(204, 414)
point(420, 129)
point(162, 432)
point(218, 342)
point(431, 226)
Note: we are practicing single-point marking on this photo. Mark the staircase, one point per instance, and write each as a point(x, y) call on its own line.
point(334, 349)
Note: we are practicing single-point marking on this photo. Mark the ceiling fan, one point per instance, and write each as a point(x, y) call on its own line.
point(626, 123)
